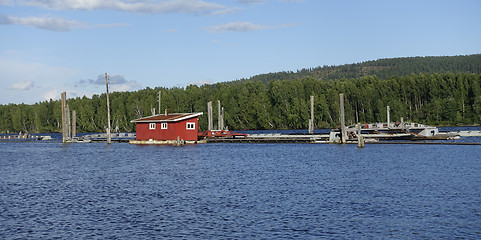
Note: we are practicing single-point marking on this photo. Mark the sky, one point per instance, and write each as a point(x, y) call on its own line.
point(53, 46)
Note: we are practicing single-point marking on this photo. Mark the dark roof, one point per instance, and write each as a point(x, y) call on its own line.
point(173, 117)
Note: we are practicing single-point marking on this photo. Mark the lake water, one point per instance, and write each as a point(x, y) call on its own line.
point(51, 190)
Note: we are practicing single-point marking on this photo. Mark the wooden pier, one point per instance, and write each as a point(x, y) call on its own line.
point(368, 138)
point(23, 137)
point(274, 138)
point(103, 137)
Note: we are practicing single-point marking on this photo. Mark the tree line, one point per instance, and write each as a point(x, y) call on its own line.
point(436, 99)
point(382, 68)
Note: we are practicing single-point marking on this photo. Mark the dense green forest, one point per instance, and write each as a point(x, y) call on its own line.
point(437, 99)
point(382, 68)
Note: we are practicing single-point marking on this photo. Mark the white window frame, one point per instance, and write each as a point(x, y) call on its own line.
point(192, 124)
point(152, 126)
point(163, 126)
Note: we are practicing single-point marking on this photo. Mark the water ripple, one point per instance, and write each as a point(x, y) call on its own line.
point(239, 191)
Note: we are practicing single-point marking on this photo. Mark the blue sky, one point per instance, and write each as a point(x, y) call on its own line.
point(51, 46)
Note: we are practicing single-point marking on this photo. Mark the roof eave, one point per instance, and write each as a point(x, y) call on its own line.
point(168, 120)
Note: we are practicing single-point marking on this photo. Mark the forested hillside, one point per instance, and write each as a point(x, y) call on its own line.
point(439, 99)
point(382, 68)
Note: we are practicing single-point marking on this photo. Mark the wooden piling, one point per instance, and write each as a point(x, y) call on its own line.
point(311, 121)
point(160, 94)
point(64, 127)
point(222, 120)
point(209, 116)
point(69, 125)
point(343, 123)
point(219, 116)
point(388, 118)
point(74, 124)
point(360, 139)
point(109, 137)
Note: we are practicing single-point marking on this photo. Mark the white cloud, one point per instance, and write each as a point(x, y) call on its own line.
point(12, 71)
point(236, 27)
point(129, 86)
point(225, 11)
point(34, 79)
point(51, 94)
point(241, 27)
point(47, 23)
point(137, 6)
point(6, 2)
point(55, 93)
point(24, 85)
point(202, 82)
point(117, 83)
point(263, 1)
point(51, 23)
point(251, 1)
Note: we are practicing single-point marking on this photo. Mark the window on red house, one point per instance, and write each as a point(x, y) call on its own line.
point(190, 126)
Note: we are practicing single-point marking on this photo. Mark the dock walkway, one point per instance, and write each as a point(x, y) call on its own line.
point(274, 138)
point(102, 137)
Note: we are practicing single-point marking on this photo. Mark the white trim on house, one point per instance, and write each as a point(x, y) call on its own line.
point(187, 116)
point(190, 126)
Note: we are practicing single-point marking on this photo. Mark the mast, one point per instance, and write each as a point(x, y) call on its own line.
point(108, 109)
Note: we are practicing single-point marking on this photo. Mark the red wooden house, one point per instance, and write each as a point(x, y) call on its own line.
point(167, 127)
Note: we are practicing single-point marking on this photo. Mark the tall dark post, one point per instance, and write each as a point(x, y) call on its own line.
point(220, 117)
point(311, 121)
point(160, 92)
point(108, 110)
point(209, 116)
point(74, 124)
point(68, 123)
point(222, 126)
point(343, 120)
point(64, 117)
point(388, 118)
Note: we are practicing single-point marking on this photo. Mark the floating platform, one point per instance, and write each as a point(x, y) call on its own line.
point(102, 137)
point(23, 137)
point(274, 138)
point(467, 133)
point(170, 142)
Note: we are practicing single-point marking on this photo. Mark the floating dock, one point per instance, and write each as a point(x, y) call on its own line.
point(23, 137)
point(370, 134)
point(274, 138)
point(102, 137)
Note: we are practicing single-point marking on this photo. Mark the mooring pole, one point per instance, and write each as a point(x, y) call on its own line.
point(69, 127)
point(360, 139)
point(388, 118)
point(222, 120)
point(64, 128)
point(343, 123)
point(160, 92)
point(209, 115)
point(108, 110)
point(219, 116)
point(311, 121)
point(74, 124)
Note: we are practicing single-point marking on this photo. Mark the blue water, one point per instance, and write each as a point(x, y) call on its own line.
point(239, 191)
